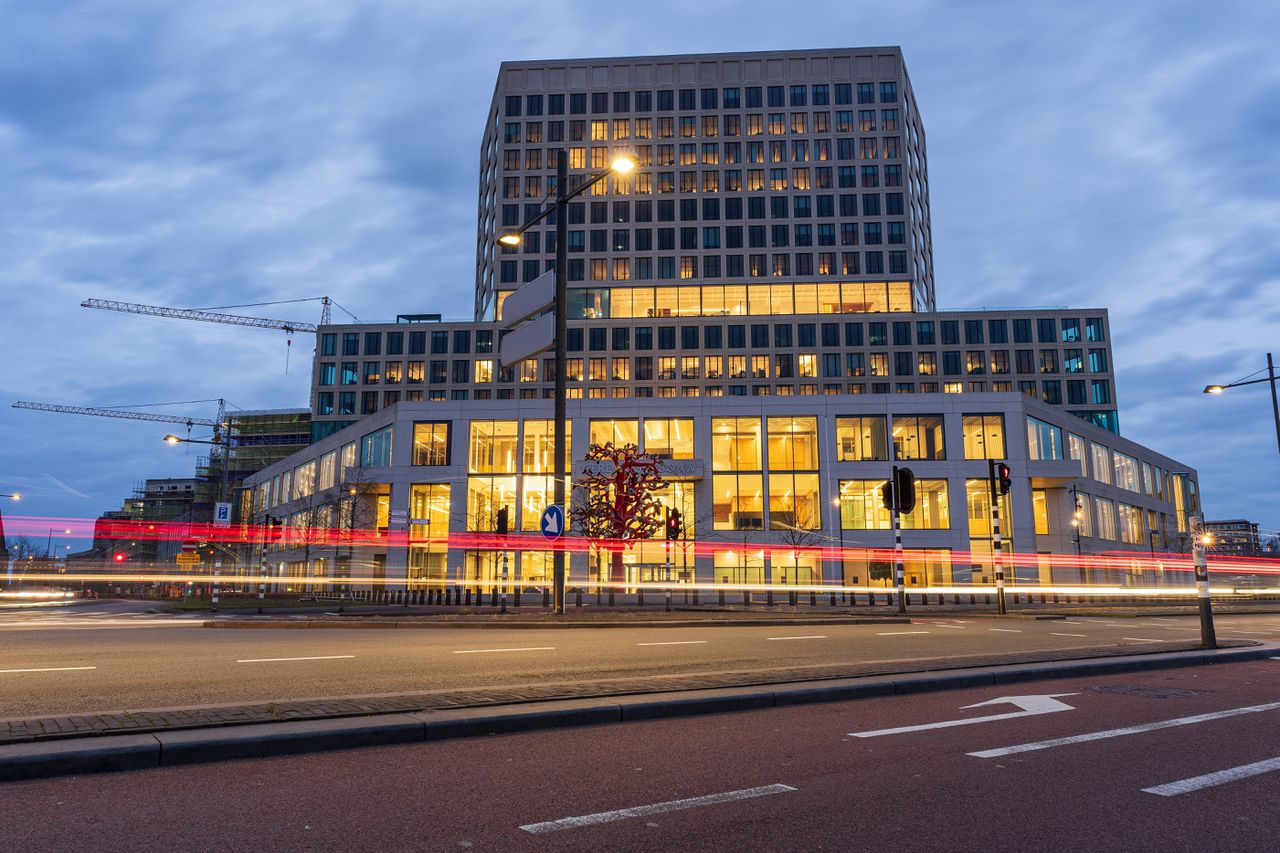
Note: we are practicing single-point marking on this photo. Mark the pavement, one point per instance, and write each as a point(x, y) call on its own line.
point(1167, 759)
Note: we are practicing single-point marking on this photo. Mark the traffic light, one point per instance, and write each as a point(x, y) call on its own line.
point(903, 486)
point(119, 557)
point(673, 524)
point(504, 523)
point(1004, 477)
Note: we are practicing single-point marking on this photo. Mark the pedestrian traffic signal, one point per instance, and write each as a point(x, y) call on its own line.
point(902, 486)
point(673, 524)
point(1005, 477)
point(504, 524)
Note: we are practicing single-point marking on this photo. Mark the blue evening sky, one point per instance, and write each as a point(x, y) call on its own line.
point(211, 153)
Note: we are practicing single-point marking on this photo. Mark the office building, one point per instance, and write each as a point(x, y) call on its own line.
point(755, 305)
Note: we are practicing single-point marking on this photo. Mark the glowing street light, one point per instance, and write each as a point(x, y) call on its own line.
point(1269, 378)
point(621, 165)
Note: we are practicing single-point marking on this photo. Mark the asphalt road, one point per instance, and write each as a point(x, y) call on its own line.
point(793, 778)
point(112, 658)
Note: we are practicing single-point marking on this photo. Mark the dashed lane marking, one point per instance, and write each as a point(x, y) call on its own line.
point(653, 808)
point(488, 651)
point(1056, 634)
point(1127, 730)
point(1209, 780)
point(312, 657)
point(1142, 639)
point(802, 637)
point(897, 633)
point(675, 643)
point(49, 669)
point(1007, 630)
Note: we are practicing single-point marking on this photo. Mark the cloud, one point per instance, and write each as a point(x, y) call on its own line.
point(1091, 154)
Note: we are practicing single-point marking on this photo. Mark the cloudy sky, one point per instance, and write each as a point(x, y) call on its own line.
point(214, 153)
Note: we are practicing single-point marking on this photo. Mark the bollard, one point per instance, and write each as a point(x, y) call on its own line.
point(668, 597)
point(468, 604)
point(695, 596)
point(746, 598)
point(577, 598)
point(639, 596)
point(768, 601)
point(833, 598)
point(813, 598)
point(610, 596)
point(720, 594)
point(546, 597)
point(792, 598)
point(516, 593)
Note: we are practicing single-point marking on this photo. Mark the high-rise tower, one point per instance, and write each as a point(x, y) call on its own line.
point(803, 167)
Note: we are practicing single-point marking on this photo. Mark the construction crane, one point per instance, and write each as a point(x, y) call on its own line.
point(289, 326)
point(132, 416)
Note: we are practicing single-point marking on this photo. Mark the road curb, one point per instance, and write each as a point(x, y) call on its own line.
point(163, 749)
point(321, 624)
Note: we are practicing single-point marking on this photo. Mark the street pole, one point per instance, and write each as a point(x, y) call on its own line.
point(1208, 638)
point(1275, 404)
point(898, 574)
point(503, 584)
point(217, 571)
point(262, 566)
point(997, 554)
point(561, 389)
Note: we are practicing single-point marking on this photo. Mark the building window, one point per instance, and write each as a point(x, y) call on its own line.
point(983, 436)
point(375, 449)
point(861, 439)
point(431, 443)
point(1044, 440)
point(918, 438)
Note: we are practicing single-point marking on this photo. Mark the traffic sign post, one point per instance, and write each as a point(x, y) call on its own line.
point(1208, 637)
point(552, 522)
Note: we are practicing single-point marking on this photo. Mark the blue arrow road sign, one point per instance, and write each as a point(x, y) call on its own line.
point(552, 522)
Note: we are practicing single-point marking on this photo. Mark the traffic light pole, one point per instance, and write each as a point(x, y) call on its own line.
point(898, 574)
point(1208, 638)
point(997, 553)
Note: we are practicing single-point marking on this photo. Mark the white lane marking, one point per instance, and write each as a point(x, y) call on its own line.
point(674, 643)
point(803, 637)
point(1007, 630)
point(940, 625)
point(49, 669)
point(653, 808)
point(897, 633)
point(313, 657)
point(1056, 634)
point(1209, 780)
point(1142, 639)
point(487, 651)
point(1030, 705)
point(1127, 730)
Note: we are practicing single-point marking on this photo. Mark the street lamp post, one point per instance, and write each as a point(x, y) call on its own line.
point(1270, 379)
point(621, 165)
point(4, 549)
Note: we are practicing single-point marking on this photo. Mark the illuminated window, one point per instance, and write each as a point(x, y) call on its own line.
point(1101, 463)
point(861, 439)
point(483, 370)
point(1044, 440)
point(983, 436)
point(619, 432)
point(493, 447)
point(671, 438)
point(431, 443)
point(918, 437)
point(736, 444)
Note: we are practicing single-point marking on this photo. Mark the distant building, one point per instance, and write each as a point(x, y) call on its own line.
point(1234, 537)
